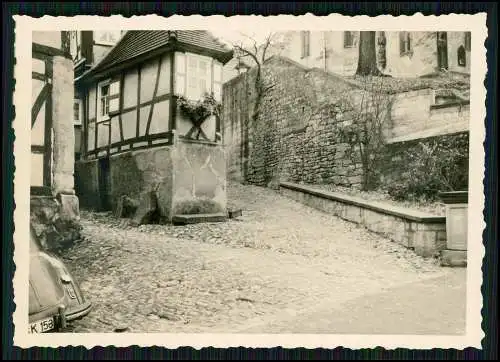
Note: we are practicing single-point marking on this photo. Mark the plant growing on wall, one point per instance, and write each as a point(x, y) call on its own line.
point(259, 56)
point(364, 131)
point(432, 166)
point(199, 110)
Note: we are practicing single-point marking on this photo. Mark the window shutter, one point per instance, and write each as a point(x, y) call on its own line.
point(180, 74)
point(217, 81)
point(205, 75)
point(302, 44)
point(193, 85)
point(308, 45)
point(114, 97)
point(402, 43)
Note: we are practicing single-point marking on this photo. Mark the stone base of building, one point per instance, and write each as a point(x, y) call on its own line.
point(56, 220)
point(182, 179)
point(454, 258)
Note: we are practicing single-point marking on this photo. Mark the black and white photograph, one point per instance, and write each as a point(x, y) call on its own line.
point(312, 180)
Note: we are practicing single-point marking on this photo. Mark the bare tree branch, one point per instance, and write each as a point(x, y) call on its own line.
point(247, 53)
point(259, 85)
point(267, 43)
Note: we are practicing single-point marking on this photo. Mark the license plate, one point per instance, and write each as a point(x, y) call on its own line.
point(42, 326)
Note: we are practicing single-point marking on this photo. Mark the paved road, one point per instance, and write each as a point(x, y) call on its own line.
point(281, 267)
point(430, 307)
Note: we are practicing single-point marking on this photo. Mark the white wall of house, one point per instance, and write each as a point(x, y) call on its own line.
point(48, 38)
point(420, 57)
point(342, 55)
point(230, 70)
point(103, 42)
point(457, 39)
point(415, 115)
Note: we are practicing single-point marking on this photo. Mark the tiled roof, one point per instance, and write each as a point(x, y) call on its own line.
point(139, 42)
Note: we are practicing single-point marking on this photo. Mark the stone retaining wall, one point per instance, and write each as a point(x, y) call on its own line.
point(296, 137)
point(55, 220)
point(299, 134)
point(425, 233)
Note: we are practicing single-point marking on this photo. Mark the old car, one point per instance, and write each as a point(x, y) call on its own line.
point(54, 295)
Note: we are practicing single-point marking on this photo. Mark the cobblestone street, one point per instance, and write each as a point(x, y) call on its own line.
point(280, 259)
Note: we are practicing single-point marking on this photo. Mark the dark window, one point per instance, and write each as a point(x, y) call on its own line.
point(442, 49)
point(461, 58)
point(76, 111)
point(467, 41)
point(404, 43)
point(306, 45)
point(348, 39)
point(381, 50)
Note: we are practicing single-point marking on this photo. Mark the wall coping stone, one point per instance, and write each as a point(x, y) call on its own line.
point(381, 207)
point(455, 197)
point(455, 129)
point(456, 103)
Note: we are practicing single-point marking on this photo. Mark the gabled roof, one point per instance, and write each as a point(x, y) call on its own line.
point(139, 43)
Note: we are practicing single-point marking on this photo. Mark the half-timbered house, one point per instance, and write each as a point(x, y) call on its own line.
point(87, 49)
point(54, 209)
point(139, 144)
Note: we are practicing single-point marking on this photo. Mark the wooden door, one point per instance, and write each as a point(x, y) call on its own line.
point(104, 183)
point(41, 123)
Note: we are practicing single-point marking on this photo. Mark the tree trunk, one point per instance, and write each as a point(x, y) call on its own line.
point(367, 60)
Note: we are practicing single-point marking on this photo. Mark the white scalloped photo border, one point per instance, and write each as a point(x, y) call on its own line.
point(476, 23)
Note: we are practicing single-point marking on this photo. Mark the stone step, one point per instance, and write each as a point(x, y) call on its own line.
point(198, 218)
point(234, 213)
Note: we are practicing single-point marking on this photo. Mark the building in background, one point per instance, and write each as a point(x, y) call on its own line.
point(399, 54)
point(54, 207)
point(235, 67)
point(87, 48)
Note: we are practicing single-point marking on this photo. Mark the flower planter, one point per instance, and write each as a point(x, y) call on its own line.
point(456, 203)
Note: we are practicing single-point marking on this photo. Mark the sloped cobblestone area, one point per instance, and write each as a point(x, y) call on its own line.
point(279, 257)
